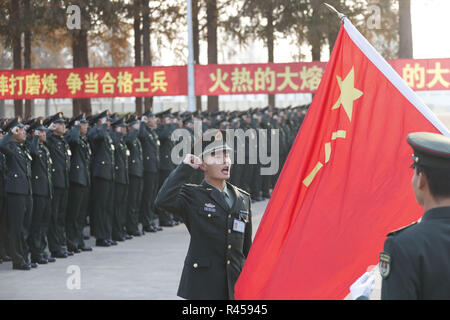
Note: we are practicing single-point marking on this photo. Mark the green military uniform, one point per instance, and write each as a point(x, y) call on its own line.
point(150, 153)
point(220, 226)
point(41, 180)
point(80, 182)
point(121, 180)
point(60, 154)
point(166, 166)
point(19, 198)
point(3, 214)
point(415, 263)
point(102, 169)
point(136, 175)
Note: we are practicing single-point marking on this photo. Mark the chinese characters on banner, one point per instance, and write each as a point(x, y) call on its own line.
point(424, 74)
point(93, 82)
point(264, 78)
point(258, 78)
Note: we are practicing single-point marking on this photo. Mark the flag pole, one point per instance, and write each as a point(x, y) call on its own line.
point(191, 72)
point(333, 9)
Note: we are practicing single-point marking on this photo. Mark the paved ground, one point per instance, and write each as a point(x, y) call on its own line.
point(147, 267)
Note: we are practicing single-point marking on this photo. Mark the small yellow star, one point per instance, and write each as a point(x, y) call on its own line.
point(348, 93)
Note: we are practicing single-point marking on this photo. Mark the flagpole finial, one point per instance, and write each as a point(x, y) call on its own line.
point(333, 9)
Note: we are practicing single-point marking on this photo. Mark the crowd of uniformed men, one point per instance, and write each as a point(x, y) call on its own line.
point(57, 175)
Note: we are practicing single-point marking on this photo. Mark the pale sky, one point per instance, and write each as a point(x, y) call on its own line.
point(431, 25)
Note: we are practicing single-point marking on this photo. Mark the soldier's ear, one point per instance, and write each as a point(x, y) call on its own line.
point(423, 181)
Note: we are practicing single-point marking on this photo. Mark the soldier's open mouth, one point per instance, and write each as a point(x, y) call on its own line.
point(226, 170)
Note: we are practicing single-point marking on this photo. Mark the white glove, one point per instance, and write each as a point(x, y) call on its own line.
point(363, 287)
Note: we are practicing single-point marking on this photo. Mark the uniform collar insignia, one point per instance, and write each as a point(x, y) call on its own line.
point(209, 205)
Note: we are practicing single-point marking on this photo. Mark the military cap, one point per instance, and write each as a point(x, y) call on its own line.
point(37, 124)
point(28, 121)
point(54, 118)
point(104, 114)
point(148, 113)
point(81, 117)
point(119, 122)
point(57, 118)
point(243, 113)
point(163, 114)
point(132, 119)
point(213, 140)
point(430, 149)
point(15, 122)
point(187, 119)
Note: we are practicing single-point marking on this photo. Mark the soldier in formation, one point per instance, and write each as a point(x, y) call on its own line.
point(59, 176)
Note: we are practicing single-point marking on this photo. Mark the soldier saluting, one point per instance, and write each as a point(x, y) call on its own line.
point(80, 181)
point(18, 192)
point(102, 179)
point(60, 154)
point(41, 180)
point(217, 215)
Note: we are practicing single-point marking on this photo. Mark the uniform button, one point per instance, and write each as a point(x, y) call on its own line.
point(117, 168)
point(15, 175)
point(209, 215)
point(53, 170)
point(37, 177)
point(195, 265)
point(78, 167)
point(148, 158)
point(229, 216)
point(228, 261)
point(229, 246)
point(103, 162)
point(133, 161)
point(229, 230)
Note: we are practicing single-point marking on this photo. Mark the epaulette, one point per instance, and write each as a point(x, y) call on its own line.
point(242, 191)
point(401, 229)
point(191, 185)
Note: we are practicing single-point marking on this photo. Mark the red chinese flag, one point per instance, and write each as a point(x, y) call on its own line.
point(345, 184)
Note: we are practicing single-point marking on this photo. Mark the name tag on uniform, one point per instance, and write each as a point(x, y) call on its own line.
point(238, 226)
point(69, 152)
point(128, 152)
point(112, 147)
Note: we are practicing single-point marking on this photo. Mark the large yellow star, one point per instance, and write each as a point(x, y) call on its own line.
point(348, 93)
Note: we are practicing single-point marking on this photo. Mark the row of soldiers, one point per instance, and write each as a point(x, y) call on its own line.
point(56, 172)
